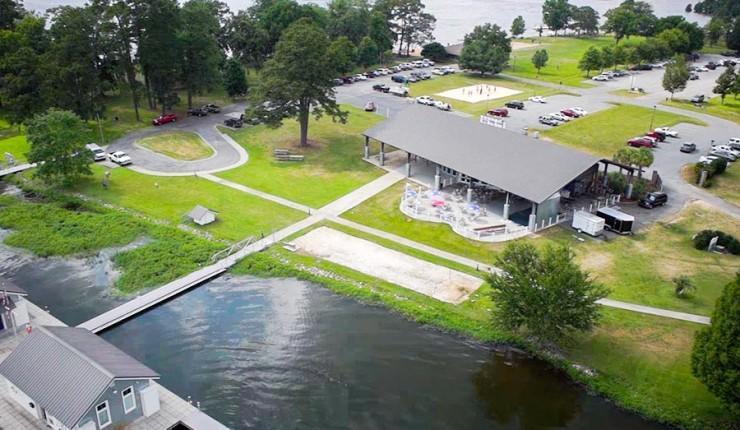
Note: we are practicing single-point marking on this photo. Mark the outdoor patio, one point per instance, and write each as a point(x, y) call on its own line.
point(478, 219)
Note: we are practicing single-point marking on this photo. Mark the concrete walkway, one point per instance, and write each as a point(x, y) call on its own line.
point(16, 169)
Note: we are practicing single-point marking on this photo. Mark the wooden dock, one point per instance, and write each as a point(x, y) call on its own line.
point(16, 169)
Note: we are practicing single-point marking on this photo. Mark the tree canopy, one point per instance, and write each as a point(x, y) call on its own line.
point(298, 80)
point(725, 83)
point(544, 292)
point(434, 51)
point(235, 80)
point(676, 75)
point(556, 14)
point(715, 359)
point(517, 26)
point(539, 59)
point(486, 49)
point(591, 60)
point(57, 145)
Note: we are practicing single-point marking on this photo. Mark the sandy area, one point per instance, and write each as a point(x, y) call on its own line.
point(478, 93)
point(392, 266)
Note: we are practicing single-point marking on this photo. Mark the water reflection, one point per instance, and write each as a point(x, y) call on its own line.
point(282, 353)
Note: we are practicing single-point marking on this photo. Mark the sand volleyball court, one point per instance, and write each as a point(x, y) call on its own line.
point(478, 93)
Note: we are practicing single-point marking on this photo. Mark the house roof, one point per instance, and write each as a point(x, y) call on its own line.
point(199, 212)
point(8, 286)
point(519, 164)
point(66, 369)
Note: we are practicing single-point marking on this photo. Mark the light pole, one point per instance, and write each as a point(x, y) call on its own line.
point(652, 117)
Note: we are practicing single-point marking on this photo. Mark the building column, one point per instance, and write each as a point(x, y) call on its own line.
point(382, 153)
point(470, 193)
point(437, 180)
point(606, 178)
point(408, 164)
point(628, 193)
point(506, 207)
point(533, 217)
point(367, 147)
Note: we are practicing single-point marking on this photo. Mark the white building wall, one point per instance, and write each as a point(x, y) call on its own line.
point(20, 313)
point(22, 399)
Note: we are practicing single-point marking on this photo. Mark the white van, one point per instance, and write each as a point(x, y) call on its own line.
point(97, 152)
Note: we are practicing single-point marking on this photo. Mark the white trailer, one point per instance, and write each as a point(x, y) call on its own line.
point(399, 91)
point(588, 223)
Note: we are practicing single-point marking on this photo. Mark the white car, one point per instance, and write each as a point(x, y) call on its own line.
point(580, 111)
point(120, 158)
point(560, 117)
point(727, 155)
point(600, 78)
point(359, 77)
point(438, 71)
point(706, 159)
point(702, 69)
point(428, 62)
point(425, 100)
point(449, 69)
point(442, 105)
point(734, 141)
point(667, 131)
point(385, 71)
point(537, 99)
point(727, 148)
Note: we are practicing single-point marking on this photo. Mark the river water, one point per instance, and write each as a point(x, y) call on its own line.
point(455, 18)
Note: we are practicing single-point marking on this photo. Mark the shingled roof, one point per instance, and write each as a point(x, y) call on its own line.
point(66, 369)
point(509, 160)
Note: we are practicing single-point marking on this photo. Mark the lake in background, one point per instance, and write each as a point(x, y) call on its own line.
point(455, 18)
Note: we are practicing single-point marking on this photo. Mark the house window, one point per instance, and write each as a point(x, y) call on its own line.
point(103, 413)
point(129, 400)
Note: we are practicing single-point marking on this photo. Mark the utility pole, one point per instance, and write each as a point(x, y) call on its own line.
point(652, 117)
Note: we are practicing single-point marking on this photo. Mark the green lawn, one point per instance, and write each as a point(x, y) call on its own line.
point(637, 269)
point(170, 198)
point(440, 84)
point(180, 145)
point(16, 145)
point(640, 269)
point(564, 54)
point(642, 362)
point(332, 168)
point(725, 185)
point(730, 110)
point(604, 132)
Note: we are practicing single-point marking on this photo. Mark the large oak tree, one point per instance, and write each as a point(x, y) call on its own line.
point(298, 80)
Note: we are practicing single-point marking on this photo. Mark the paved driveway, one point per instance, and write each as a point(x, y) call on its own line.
point(227, 153)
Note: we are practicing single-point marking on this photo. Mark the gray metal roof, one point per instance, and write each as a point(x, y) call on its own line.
point(509, 160)
point(66, 369)
point(454, 50)
point(8, 286)
point(199, 212)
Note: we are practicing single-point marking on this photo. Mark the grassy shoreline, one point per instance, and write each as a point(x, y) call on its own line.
point(696, 408)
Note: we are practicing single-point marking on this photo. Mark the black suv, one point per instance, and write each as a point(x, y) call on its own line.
point(211, 108)
point(383, 88)
point(233, 123)
point(197, 112)
point(515, 104)
point(654, 199)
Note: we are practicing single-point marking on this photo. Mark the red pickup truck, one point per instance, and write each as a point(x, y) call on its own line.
point(164, 119)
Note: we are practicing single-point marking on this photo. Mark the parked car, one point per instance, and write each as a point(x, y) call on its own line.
point(579, 110)
point(570, 113)
point(727, 155)
point(199, 112)
point(97, 152)
point(401, 79)
point(559, 117)
point(515, 104)
point(438, 71)
point(371, 74)
point(338, 82)
point(385, 71)
point(449, 69)
point(729, 149)
point(360, 77)
point(120, 158)
point(653, 141)
point(641, 67)
point(693, 76)
point(439, 104)
point(697, 99)
point(399, 91)
point(211, 108)
point(233, 122)
point(706, 159)
point(688, 147)
point(601, 78)
point(164, 119)
point(501, 112)
point(640, 142)
point(537, 99)
point(370, 107)
point(425, 100)
point(548, 120)
point(348, 79)
point(702, 69)
point(660, 137)
point(653, 199)
point(734, 140)
point(711, 66)
point(428, 62)
point(620, 73)
point(667, 131)
point(383, 88)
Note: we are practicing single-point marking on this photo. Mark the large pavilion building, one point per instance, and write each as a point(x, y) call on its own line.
point(527, 176)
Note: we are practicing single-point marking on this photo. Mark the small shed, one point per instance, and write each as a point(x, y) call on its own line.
point(201, 215)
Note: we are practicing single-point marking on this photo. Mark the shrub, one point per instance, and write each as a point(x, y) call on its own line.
point(702, 239)
point(718, 166)
point(684, 286)
point(616, 182)
point(639, 188)
point(434, 51)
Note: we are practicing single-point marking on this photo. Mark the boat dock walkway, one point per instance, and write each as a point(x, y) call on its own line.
point(16, 169)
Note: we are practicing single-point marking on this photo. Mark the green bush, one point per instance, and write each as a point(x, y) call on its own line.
point(702, 239)
point(683, 286)
point(617, 182)
point(639, 188)
point(718, 166)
